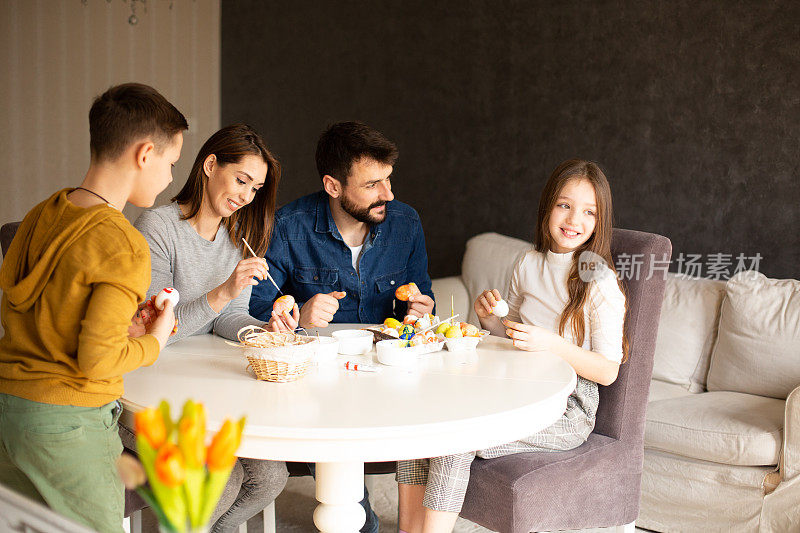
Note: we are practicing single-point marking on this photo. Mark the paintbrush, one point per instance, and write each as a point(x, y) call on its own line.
point(432, 326)
point(270, 277)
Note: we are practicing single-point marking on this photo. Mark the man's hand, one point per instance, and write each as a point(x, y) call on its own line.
point(530, 338)
point(318, 311)
point(419, 304)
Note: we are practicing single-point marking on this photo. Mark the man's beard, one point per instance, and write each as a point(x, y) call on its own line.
point(362, 214)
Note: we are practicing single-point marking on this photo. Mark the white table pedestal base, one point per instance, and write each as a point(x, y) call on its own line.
point(340, 489)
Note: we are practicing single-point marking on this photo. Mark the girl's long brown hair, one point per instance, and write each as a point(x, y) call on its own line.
point(254, 221)
point(599, 243)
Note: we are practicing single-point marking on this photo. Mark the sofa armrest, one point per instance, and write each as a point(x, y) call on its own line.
point(443, 288)
point(790, 458)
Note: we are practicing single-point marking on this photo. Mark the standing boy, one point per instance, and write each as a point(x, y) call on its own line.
point(71, 282)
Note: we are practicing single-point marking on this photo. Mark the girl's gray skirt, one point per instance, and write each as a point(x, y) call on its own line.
point(445, 478)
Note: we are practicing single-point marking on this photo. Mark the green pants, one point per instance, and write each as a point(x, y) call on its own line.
point(64, 456)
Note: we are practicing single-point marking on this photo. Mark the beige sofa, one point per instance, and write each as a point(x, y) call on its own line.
point(722, 439)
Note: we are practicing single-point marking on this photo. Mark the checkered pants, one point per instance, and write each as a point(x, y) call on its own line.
point(446, 478)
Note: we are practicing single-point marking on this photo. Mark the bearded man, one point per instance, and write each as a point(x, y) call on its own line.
point(343, 251)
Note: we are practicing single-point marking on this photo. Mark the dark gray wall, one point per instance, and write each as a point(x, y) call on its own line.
point(692, 108)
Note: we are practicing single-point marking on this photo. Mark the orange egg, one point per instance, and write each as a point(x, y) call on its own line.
point(284, 304)
point(468, 330)
point(404, 292)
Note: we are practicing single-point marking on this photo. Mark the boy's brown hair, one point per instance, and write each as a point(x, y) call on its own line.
point(128, 113)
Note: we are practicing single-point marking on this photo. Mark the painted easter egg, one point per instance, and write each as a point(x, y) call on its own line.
point(284, 304)
point(404, 292)
point(167, 294)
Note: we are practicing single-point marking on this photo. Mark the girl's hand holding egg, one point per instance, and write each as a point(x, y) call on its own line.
point(490, 303)
point(500, 309)
point(530, 338)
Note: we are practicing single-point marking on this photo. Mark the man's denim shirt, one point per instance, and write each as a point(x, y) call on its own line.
point(307, 256)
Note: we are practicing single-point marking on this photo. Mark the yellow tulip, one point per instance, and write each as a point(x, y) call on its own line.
point(191, 441)
point(150, 425)
point(192, 434)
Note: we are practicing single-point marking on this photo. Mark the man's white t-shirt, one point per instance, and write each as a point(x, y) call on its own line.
point(356, 252)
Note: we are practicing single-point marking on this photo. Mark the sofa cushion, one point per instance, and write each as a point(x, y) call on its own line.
point(687, 331)
point(489, 260)
point(444, 288)
point(758, 345)
point(724, 427)
point(661, 390)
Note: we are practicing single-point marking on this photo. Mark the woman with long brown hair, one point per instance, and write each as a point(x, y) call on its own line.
point(196, 247)
point(565, 298)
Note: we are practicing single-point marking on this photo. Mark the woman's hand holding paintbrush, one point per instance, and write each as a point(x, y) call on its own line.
point(281, 319)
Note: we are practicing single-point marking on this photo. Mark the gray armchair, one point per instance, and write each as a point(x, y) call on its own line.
point(596, 484)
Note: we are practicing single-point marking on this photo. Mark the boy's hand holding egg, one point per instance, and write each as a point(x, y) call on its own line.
point(171, 295)
point(148, 310)
point(167, 294)
point(158, 314)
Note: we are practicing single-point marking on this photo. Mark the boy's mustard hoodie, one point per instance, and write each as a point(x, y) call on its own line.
point(71, 282)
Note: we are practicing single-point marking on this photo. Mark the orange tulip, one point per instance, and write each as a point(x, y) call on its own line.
point(169, 465)
point(150, 425)
point(221, 452)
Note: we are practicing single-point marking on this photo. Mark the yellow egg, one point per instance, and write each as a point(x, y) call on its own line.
point(392, 323)
point(442, 328)
point(453, 332)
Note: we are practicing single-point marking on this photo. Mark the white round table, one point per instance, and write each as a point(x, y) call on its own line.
point(452, 402)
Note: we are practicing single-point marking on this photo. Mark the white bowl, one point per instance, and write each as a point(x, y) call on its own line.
point(459, 344)
point(353, 341)
point(325, 349)
point(390, 352)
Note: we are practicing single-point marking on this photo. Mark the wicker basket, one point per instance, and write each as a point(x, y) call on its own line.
point(278, 371)
point(271, 359)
